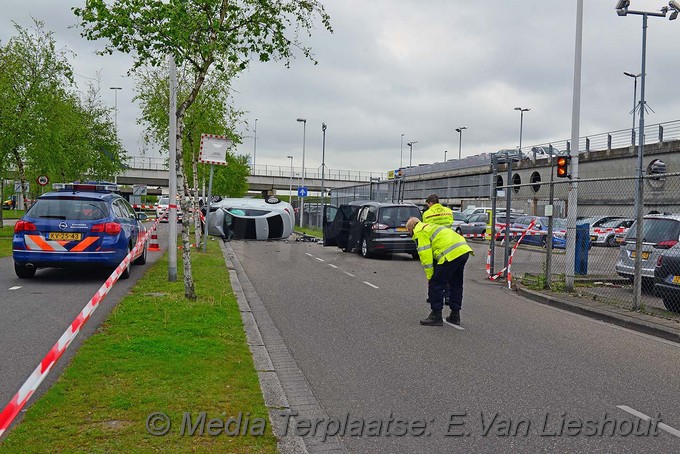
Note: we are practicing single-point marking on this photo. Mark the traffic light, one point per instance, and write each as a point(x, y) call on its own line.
point(563, 166)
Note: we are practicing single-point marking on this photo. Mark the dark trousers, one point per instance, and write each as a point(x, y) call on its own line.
point(447, 282)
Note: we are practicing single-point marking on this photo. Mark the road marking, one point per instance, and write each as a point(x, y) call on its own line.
point(307, 253)
point(371, 285)
point(332, 266)
point(644, 417)
point(15, 287)
point(349, 274)
point(320, 260)
point(455, 326)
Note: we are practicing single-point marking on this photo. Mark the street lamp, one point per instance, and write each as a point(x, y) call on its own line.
point(254, 143)
point(115, 106)
point(304, 135)
point(622, 10)
point(445, 151)
point(290, 189)
point(634, 76)
point(521, 121)
point(323, 163)
point(401, 152)
point(410, 156)
point(460, 139)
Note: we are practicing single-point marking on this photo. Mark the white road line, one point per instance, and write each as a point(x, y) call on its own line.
point(307, 253)
point(332, 266)
point(371, 285)
point(455, 326)
point(320, 260)
point(15, 287)
point(349, 274)
point(644, 417)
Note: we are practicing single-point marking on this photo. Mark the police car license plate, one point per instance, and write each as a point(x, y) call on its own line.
point(64, 236)
point(645, 255)
point(676, 279)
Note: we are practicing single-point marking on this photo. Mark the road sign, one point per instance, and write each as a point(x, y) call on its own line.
point(214, 149)
point(17, 187)
point(43, 180)
point(302, 191)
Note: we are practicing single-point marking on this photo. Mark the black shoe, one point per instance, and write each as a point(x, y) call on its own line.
point(434, 319)
point(454, 318)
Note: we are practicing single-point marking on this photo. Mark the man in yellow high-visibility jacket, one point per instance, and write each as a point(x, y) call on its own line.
point(449, 251)
point(436, 212)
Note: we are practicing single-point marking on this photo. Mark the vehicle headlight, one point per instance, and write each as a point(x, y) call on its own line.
point(559, 234)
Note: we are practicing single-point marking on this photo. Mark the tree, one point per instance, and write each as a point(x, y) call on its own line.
point(209, 114)
point(202, 34)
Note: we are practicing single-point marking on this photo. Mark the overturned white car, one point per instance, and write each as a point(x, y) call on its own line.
point(251, 219)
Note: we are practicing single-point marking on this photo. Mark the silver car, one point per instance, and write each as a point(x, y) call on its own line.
point(251, 219)
point(659, 233)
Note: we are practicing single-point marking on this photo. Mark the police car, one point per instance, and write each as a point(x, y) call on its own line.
point(77, 224)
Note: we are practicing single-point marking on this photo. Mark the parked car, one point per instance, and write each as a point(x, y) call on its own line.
point(476, 224)
point(459, 218)
point(373, 227)
point(596, 221)
point(541, 239)
point(605, 233)
point(251, 219)
point(659, 233)
point(75, 225)
point(667, 278)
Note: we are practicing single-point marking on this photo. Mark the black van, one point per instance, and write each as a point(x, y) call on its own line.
point(373, 227)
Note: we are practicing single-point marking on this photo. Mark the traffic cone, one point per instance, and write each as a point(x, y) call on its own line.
point(153, 245)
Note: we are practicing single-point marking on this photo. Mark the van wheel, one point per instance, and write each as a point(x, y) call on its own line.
point(365, 253)
point(23, 272)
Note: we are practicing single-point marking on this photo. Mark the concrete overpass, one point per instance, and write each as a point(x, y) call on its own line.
point(264, 179)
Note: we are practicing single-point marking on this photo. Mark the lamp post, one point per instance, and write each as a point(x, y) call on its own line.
point(622, 10)
point(115, 106)
point(254, 143)
point(304, 136)
point(460, 139)
point(290, 188)
point(401, 152)
point(445, 151)
point(323, 164)
point(521, 122)
point(634, 76)
point(410, 155)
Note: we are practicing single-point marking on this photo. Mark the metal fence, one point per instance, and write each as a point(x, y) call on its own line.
point(604, 268)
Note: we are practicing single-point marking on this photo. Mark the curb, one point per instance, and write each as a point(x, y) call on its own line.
point(635, 321)
point(284, 387)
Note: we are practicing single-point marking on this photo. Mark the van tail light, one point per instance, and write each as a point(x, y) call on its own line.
point(24, 226)
point(659, 261)
point(666, 244)
point(111, 228)
point(379, 226)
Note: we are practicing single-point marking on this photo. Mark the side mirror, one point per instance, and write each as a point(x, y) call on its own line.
point(141, 216)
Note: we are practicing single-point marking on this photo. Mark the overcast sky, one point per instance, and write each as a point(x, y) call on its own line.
point(420, 68)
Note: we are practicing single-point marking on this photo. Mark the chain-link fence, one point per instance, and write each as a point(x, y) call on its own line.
point(604, 246)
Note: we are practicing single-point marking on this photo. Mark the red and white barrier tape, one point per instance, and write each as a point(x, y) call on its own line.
point(513, 252)
point(36, 378)
point(145, 207)
point(514, 248)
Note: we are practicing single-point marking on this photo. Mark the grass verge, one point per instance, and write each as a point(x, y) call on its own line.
point(156, 352)
point(312, 231)
point(6, 234)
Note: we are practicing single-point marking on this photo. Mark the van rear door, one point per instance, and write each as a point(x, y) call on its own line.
point(330, 233)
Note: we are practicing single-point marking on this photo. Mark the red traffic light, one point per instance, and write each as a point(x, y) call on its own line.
point(563, 167)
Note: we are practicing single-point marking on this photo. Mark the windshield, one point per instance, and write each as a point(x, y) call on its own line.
point(559, 223)
point(69, 208)
point(611, 223)
point(163, 200)
point(656, 230)
point(458, 216)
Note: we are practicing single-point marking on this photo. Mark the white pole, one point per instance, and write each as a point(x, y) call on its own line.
point(575, 123)
point(172, 180)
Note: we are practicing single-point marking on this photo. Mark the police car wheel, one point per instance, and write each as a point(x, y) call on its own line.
point(611, 241)
point(22, 272)
point(126, 272)
point(141, 260)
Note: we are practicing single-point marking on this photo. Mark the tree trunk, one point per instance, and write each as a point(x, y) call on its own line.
point(22, 176)
point(189, 290)
point(198, 232)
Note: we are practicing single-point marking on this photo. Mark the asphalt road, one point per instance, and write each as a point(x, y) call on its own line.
point(34, 313)
point(352, 326)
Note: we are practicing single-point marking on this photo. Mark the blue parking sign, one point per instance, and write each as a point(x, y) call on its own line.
point(302, 191)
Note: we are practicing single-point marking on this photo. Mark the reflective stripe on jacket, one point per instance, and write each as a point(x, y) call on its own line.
point(437, 244)
point(438, 214)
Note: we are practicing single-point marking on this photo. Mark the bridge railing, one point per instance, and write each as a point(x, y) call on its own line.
point(311, 173)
